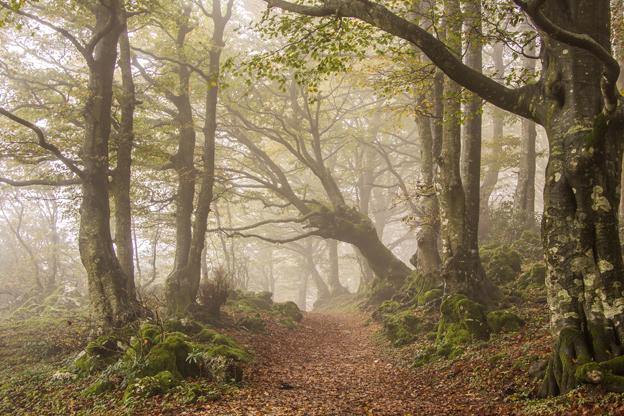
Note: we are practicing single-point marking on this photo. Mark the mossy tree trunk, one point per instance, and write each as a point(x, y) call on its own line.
point(580, 226)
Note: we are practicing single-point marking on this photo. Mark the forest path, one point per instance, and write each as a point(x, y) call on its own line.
point(337, 366)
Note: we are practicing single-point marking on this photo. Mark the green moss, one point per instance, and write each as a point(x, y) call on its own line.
point(252, 323)
point(387, 307)
point(227, 351)
point(184, 325)
point(160, 358)
point(288, 323)
point(429, 296)
point(221, 339)
point(289, 310)
point(149, 386)
point(501, 263)
point(206, 335)
point(252, 302)
point(504, 321)
point(150, 334)
point(98, 355)
point(401, 327)
point(461, 321)
point(99, 387)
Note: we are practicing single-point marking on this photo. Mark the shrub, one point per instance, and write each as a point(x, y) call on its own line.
point(214, 293)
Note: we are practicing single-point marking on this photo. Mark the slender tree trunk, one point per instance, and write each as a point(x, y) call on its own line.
point(524, 198)
point(120, 189)
point(183, 284)
point(471, 143)
point(462, 268)
point(490, 179)
point(108, 284)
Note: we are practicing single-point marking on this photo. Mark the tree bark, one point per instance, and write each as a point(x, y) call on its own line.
point(462, 268)
point(120, 186)
point(108, 284)
point(183, 282)
point(579, 227)
point(498, 129)
point(524, 198)
point(471, 141)
point(336, 288)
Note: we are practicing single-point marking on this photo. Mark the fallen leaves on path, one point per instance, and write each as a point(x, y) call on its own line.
point(334, 365)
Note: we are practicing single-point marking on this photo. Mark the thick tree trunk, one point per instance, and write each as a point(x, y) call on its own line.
point(120, 189)
point(581, 194)
point(350, 226)
point(108, 292)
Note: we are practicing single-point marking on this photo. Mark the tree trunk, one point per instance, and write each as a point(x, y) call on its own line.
point(336, 288)
point(581, 194)
point(350, 226)
point(108, 284)
point(183, 283)
point(471, 143)
point(462, 268)
point(524, 198)
point(498, 129)
point(120, 189)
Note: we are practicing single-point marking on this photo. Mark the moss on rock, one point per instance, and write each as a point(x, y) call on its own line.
point(98, 355)
point(252, 323)
point(502, 264)
point(149, 386)
point(289, 310)
point(401, 327)
point(504, 321)
point(429, 296)
point(184, 325)
point(461, 321)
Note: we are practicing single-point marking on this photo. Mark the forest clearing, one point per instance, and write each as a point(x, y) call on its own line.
point(311, 207)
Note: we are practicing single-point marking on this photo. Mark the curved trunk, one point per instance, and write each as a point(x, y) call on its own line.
point(351, 226)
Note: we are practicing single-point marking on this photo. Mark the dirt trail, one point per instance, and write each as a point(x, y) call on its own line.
point(336, 367)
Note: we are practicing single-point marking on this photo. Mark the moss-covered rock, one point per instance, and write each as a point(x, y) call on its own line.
point(184, 325)
point(504, 321)
point(534, 276)
point(99, 354)
point(289, 310)
point(99, 387)
point(502, 264)
point(401, 327)
point(252, 302)
point(387, 307)
point(461, 321)
point(252, 323)
point(149, 386)
point(429, 296)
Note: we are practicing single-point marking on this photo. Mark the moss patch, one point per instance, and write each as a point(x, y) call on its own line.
point(461, 321)
point(502, 264)
point(289, 310)
point(504, 321)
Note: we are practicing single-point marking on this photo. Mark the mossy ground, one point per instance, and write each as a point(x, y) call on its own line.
point(37, 376)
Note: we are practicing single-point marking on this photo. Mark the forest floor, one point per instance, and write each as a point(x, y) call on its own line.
point(331, 364)
point(336, 364)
